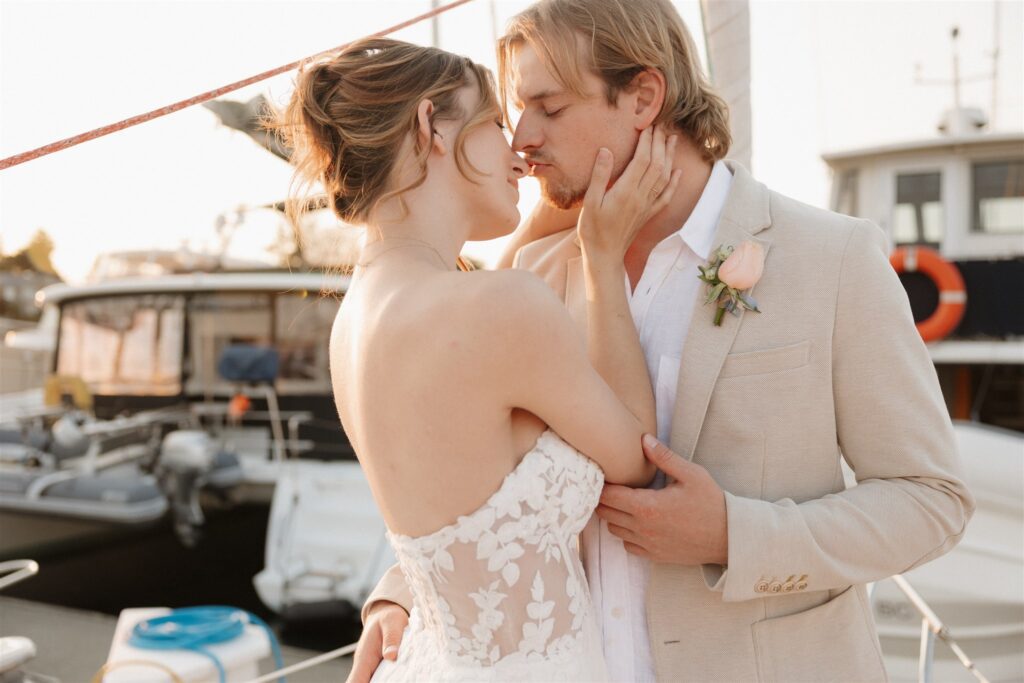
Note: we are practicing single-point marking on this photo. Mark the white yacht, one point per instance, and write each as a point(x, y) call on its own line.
point(953, 207)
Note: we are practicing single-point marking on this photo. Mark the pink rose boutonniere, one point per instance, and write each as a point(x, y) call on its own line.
point(730, 274)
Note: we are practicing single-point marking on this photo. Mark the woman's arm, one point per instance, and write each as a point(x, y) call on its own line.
point(536, 359)
point(607, 226)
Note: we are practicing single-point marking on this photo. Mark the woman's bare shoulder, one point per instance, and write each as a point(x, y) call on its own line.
point(487, 321)
point(503, 298)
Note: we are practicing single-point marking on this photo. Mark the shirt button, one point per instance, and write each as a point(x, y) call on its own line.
point(761, 586)
point(617, 612)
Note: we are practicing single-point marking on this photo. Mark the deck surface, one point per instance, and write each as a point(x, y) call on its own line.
point(72, 644)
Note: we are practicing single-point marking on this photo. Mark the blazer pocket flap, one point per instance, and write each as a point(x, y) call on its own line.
point(834, 641)
point(769, 360)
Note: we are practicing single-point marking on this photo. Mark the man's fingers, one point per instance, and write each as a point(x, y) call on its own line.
point(669, 462)
point(599, 178)
point(635, 549)
point(392, 628)
point(613, 516)
point(627, 535)
point(620, 497)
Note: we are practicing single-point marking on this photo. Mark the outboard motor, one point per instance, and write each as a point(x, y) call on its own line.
point(189, 461)
point(68, 438)
point(186, 456)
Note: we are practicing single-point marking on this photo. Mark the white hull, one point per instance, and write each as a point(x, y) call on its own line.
point(326, 547)
point(977, 589)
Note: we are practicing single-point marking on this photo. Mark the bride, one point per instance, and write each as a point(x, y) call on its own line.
point(485, 423)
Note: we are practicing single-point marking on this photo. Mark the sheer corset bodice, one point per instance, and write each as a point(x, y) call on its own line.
point(500, 594)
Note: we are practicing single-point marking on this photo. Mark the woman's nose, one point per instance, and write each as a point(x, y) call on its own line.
point(519, 166)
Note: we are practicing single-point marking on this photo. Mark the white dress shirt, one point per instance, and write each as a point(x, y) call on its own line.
point(662, 306)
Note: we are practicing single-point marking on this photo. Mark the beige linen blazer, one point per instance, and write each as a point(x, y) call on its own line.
point(770, 404)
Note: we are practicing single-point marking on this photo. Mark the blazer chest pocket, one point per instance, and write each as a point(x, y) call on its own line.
point(767, 361)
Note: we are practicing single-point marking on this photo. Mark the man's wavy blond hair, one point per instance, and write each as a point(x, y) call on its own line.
point(619, 39)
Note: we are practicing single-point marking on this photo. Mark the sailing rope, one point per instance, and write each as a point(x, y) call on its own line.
point(206, 96)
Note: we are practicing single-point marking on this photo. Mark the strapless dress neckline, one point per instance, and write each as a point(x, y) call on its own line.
point(546, 445)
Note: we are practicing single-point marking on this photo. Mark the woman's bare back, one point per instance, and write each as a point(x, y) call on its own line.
point(418, 397)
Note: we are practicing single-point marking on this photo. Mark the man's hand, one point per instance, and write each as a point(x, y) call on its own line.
point(683, 523)
point(381, 637)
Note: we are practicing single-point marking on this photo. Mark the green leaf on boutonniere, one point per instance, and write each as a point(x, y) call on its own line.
point(715, 293)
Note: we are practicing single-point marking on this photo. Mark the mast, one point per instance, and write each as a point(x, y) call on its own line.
point(727, 37)
point(435, 25)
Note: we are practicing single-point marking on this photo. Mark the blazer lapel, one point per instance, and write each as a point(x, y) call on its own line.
point(745, 214)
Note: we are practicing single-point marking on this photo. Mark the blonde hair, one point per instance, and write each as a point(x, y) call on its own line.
point(349, 116)
point(624, 37)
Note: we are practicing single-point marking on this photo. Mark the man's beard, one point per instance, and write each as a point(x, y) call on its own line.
point(562, 195)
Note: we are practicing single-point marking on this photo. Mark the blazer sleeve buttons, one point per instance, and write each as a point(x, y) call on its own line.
point(773, 585)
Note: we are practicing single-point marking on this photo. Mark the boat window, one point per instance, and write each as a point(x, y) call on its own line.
point(998, 203)
point(125, 345)
point(219, 320)
point(846, 200)
point(303, 321)
point(918, 216)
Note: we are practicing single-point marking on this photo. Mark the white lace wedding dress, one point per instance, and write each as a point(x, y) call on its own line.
point(500, 594)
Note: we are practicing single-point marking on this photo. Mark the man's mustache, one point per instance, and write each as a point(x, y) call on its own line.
point(537, 159)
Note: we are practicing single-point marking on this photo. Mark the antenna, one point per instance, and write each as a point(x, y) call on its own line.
point(976, 116)
point(956, 79)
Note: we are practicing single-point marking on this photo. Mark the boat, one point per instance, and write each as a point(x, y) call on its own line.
point(958, 200)
point(148, 406)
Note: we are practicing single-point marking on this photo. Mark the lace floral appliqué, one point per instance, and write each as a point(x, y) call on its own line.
point(503, 587)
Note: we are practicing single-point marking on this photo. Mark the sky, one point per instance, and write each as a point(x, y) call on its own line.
point(826, 75)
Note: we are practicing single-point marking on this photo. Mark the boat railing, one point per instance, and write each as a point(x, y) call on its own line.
point(282, 448)
point(931, 628)
point(306, 664)
point(96, 463)
point(13, 571)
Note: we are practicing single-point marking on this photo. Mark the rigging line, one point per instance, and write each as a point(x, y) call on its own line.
point(204, 97)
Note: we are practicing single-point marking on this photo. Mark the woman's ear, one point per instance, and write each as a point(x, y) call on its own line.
point(424, 111)
point(648, 87)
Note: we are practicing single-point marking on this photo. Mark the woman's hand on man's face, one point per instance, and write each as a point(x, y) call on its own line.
point(612, 216)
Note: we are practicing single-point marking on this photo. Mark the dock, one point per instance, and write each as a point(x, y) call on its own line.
point(72, 644)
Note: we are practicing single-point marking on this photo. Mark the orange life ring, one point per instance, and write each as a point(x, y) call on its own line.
point(946, 276)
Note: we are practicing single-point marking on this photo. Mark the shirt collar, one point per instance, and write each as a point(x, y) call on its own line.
point(698, 232)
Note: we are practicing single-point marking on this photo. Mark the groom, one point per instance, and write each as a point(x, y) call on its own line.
point(747, 560)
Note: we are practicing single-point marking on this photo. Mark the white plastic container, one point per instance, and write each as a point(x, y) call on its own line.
point(239, 657)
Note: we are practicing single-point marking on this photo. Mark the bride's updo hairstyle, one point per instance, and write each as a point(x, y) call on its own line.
point(350, 115)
